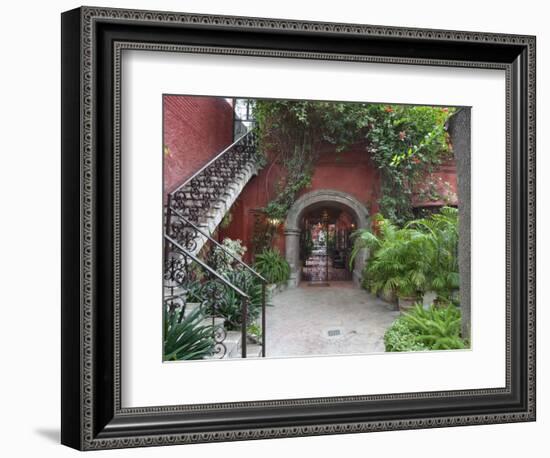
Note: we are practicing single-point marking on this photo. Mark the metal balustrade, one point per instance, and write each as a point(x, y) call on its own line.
point(187, 209)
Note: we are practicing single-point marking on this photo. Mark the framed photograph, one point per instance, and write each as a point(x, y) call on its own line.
point(277, 228)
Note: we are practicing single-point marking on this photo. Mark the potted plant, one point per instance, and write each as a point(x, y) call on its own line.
point(273, 267)
point(407, 297)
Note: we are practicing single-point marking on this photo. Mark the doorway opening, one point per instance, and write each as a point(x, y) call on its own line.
point(325, 245)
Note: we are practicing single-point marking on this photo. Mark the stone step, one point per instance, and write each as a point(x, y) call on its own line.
point(253, 351)
point(217, 322)
point(215, 203)
point(209, 218)
point(233, 340)
point(230, 348)
point(190, 307)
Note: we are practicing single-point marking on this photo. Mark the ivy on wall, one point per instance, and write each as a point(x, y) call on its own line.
point(404, 142)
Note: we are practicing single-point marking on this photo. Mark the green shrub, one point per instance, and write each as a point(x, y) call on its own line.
point(436, 328)
point(397, 263)
point(223, 259)
point(418, 257)
point(399, 337)
point(438, 235)
point(254, 331)
point(185, 337)
point(229, 304)
point(272, 266)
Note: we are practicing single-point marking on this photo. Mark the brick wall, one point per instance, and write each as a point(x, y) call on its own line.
point(195, 130)
point(198, 128)
point(351, 171)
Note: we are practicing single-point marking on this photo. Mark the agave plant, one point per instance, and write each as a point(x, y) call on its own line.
point(272, 266)
point(229, 304)
point(185, 337)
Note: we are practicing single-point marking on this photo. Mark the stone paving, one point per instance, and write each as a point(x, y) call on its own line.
point(317, 320)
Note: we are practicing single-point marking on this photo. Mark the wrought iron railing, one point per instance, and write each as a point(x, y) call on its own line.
point(183, 238)
point(179, 273)
point(196, 195)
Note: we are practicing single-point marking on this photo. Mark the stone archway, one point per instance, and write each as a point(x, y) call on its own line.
point(292, 226)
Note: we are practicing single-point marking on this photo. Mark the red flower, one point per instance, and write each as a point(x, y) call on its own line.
point(416, 160)
point(388, 109)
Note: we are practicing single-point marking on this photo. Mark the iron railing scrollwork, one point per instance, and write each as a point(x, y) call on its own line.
point(205, 188)
point(188, 278)
point(196, 265)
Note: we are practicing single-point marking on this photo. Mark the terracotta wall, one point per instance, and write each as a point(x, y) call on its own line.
point(195, 130)
point(198, 128)
point(350, 171)
point(439, 188)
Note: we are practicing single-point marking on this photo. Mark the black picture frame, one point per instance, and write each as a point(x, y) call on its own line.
point(92, 416)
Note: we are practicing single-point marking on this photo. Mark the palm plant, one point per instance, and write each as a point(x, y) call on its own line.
point(185, 337)
point(439, 236)
point(420, 256)
point(272, 266)
point(396, 263)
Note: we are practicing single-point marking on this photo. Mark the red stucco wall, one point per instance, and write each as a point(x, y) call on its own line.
point(442, 184)
point(195, 130)
point(350, 171)
point(198, 128)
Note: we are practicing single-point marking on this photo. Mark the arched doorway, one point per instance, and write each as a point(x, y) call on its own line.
point(325, 244)
point(330, 200)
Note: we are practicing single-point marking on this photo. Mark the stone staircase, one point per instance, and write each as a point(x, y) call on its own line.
point(202, 201)
point(192, 213)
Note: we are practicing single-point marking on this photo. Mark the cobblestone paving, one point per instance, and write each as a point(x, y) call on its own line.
point(338, 319)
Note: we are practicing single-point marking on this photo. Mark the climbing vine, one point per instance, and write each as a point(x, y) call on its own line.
point(293, 130)
point(404, 142)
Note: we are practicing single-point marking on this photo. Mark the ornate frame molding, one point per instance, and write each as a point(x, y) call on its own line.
point(96, 427)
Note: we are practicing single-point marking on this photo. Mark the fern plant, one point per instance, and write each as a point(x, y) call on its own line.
point(272, 266)
point(185, 337)
point(436, 328)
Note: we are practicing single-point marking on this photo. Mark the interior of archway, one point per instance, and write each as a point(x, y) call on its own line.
point(325, 243)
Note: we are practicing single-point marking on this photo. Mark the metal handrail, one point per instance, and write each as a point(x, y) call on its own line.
point(245, 297)
point(206, 266)
point(195, 227)
point(209, 163)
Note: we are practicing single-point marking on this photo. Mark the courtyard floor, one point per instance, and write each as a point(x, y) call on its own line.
point(317, 320)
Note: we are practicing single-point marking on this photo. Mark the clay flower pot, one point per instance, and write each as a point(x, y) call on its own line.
point(406, 303)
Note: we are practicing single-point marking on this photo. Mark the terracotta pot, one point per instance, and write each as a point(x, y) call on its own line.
point(390, 297)
point(406, 303)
